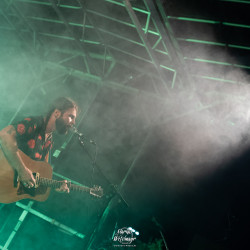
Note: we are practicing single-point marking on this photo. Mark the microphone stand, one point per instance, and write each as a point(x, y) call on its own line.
point(115, 192)
point(93, 160)
point(160, 228)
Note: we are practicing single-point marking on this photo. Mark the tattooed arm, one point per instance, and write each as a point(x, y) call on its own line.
point(9, 146)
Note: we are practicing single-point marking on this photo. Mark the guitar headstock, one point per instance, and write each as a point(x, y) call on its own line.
point(96, 191)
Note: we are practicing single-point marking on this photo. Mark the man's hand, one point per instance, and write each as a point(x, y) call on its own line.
point(64, 188)
point(26, 177)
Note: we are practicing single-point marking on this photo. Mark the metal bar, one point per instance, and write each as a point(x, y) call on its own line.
point(80, 53)
point(209, 21)
point(121, 37)
point(218, 79)
point(114, 85)
point(147, 24)
point(156, 43)
point(112, 65)
point(77, 41)
point(217, 62)
point(120, 50)
point(236, 1)
point(198, 20)
point(89, 26)
point(83, 24)
point(51, 221)
point(67, 59)
point(127, 64)
point(104, 61)
point(48, 4)
point(238, 46)
point(86, 64)
point(208, 61)
point(94, 42)
point(124, 5)
point(16, 228)
point(201, 41)
point(173, 46)
point(236, 25)
point(122, 22)
point(146, 43)
point(43, 19)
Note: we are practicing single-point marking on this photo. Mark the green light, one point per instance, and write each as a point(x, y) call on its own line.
point(157, 42)
point(238, 46)
point(242, 66)
point(69, 38)
point(56, 153)
point(147, 24)
point(56, 36)
point(208, 61)
point(58, 21)
point(174, 78)
point(216, 62)
point(123, 5)
point(162, 52)
point(165, 67)
point(203, 42)
point(209, 21)
point(216, 79)
point(122, 22)
point(194, 20)
point(214, 43)
point(49, 4)
point(236, 25)
point(236, 1)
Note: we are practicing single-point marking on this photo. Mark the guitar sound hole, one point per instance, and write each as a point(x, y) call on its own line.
point(31, 191)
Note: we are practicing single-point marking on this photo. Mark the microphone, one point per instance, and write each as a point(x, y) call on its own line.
point(75, 131)
point(80, 135)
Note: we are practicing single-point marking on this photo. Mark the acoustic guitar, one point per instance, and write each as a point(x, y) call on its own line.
point(12, 190)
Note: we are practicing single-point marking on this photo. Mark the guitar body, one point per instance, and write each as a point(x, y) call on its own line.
point(12, 190)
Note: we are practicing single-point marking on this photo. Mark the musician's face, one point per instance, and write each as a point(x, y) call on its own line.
point(66, 121)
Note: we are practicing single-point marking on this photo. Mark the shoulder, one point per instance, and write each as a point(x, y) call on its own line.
point(28, 125)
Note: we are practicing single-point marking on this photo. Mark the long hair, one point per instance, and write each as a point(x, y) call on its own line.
point(62, 104)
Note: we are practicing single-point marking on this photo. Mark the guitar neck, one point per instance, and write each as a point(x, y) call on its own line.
point(57, 184)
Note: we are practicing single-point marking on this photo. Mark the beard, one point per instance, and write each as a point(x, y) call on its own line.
point(61, 127)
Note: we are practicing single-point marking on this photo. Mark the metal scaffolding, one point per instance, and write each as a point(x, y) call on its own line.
point(134, 47)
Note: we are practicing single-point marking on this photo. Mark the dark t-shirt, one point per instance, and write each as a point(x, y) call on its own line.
point(30, 136)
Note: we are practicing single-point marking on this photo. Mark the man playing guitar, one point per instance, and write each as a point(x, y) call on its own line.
point(33, 136)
